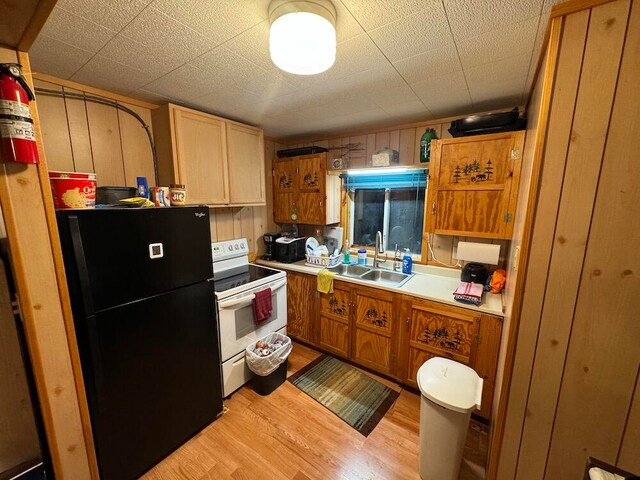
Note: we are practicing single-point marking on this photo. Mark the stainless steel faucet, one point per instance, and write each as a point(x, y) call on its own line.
point(378, 251)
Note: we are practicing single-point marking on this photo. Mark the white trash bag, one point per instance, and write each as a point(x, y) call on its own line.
point(265, 360)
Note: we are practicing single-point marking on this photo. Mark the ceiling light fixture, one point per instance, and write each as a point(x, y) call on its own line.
point(302, 39)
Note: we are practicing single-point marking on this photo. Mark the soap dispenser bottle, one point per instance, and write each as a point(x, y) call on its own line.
point(407, 262)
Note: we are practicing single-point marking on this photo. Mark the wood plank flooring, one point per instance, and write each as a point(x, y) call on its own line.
point(288, 435)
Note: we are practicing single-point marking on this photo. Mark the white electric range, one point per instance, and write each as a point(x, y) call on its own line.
point(235, 282)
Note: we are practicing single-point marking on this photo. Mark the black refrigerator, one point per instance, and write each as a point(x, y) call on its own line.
point(141, 287)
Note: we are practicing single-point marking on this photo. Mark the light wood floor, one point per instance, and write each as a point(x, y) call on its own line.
point(288, 435)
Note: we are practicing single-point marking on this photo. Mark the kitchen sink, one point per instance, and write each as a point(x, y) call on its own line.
point(351, 270)
point(386, 276)
point(373, 275)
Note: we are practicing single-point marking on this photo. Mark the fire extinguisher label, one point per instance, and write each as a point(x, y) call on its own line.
point(9, 107)
point(17, 129)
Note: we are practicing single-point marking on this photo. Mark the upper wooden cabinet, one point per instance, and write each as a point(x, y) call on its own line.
point(220, 162)
point(473, 185)
point(303, 192)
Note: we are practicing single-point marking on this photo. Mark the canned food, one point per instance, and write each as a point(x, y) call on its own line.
point(160, 196)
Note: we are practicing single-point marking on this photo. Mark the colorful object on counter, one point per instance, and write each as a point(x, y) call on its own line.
point(262, 306)
point(178, 195)
point(469, 293)
point(497, 281)
point(325, 281)
point(137, 202)
point(160, 196)
point(352, 395)
point(345, 255)
point(73, 189)
point(407, 262)
point(425, 144)
point(143, 187)
point(362, 257)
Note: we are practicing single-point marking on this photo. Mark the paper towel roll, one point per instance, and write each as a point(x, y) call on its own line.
point(479, 252)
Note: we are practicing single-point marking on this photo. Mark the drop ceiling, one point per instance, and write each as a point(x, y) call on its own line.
point(397, 60)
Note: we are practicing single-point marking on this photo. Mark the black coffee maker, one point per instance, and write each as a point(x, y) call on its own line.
point(270, 245)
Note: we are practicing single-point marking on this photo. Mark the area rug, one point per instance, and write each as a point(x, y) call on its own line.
point(352, 395)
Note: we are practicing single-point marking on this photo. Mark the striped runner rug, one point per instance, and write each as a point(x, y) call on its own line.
point(352, 395)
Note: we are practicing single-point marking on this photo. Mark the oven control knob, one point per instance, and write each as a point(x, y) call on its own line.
point(231, 248)
point(242, 246)
point(236, 247)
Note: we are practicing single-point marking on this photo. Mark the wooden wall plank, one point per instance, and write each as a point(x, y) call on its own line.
point(105, 141)
point(407, 146)
point(27, 208)
point(57, 141)
point(629, 456)
point(358, 159)
point(394, 140)
point(382, 141)
point(136, 149)
point(590, 121)
point(371, 148)
point(605, 318)
point(19, 441)
point(224, 224)
point(560, 119)
point(78, 127)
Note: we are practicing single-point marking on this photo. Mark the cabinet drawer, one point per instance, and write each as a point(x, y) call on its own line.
point(445, 334)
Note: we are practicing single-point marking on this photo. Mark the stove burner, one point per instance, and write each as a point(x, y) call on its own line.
point(240, 276)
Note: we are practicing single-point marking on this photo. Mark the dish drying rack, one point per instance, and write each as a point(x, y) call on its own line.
point(322, 262)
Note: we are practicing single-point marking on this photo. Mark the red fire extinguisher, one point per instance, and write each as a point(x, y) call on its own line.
point(16, 125)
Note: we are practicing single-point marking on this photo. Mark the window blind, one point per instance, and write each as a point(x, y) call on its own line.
point(410, 179)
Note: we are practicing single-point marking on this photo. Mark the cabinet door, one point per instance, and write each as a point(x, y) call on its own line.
point(473, 185)
point(334, 331)
point(374, 323)
point(439, 331)
point(301, 295)
point(284, 188)
point(245, 150)
point(311, 173)
point(201, 157)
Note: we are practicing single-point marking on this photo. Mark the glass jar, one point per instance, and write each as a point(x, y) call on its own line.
point(178, 195)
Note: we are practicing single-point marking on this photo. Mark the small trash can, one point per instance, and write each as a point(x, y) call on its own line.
point(450, 392)
point(268, 359)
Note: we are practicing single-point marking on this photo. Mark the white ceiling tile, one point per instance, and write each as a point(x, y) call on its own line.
point(497, 104)
point(549, 4)
point(158, 31)
point(497, 90)
point(253, 44)
point(375, 13)
point(408, 111)
point(505, 42)
point(393, 96)
point(499, 71)
point(184, 83)
point(412, 35)
point(227, 68)
point(141, 57)
point(56, 58)
point(433, 63)
point(442, 92)
point(98, 73)
point(148, 96)
point(219, 20)
point(76, 31)
point(112, 14)
point(470, 18)
point(346, 25)
point(224, 99)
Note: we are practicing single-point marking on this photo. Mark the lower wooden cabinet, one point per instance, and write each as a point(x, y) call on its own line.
point(301, 312)
point(334, 327)
point(390, 333)
point(375, 342)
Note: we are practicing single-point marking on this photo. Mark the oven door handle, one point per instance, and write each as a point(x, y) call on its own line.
point(247, 299)
point(240, 302)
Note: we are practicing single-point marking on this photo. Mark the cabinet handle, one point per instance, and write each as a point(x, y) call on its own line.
point(408, 322)
point(433, 208)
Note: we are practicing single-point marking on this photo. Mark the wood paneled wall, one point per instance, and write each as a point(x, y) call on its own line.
point(574, 388)
point(84, 136)
point(406, 140)
point(18, 436)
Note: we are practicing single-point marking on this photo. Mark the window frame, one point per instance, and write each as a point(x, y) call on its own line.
point(349, 226)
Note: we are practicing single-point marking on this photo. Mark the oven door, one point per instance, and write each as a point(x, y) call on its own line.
point(237, 325)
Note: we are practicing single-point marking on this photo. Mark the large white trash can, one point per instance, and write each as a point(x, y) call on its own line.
point(450, 392)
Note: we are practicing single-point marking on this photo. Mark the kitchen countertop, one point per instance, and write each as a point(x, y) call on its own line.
point(431, 283)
